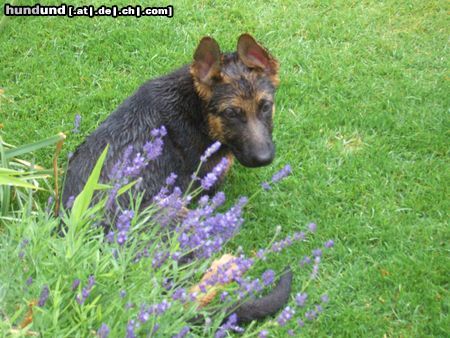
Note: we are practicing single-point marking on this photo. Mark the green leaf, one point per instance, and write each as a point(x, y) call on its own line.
point(27, 148)
point(83, 200)
point(5, 190)
point(16, 182)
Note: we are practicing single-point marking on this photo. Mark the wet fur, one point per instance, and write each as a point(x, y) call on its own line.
point(227, 97)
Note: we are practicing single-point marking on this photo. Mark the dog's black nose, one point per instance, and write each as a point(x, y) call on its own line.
point(265, 157)
point(262, 155)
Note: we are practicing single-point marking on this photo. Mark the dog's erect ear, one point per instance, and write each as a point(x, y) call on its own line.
point(206, 64)
point(254, 55)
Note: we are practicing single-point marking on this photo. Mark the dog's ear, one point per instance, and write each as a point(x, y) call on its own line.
point(254, 55)
point(206, 66)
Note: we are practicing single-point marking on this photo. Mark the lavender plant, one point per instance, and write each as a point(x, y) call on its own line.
point(156, 270)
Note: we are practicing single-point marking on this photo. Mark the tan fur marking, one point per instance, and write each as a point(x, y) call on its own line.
point(261, 95)
point(230, 158)
point(249, 106)
point(215, 127)
point(202, 89)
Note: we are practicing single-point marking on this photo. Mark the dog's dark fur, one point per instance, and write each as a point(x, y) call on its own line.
point(227, 97)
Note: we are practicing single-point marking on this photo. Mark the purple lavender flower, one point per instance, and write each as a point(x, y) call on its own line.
point(123, 225)
point(110, 236)
point(261, 254)
point(285, 171)
point(229, 325)
point(312, 227)
point(329, 244)
point(211, 178)
point(291, 333)
point(103, 331)
point(315, 271)
point(136, 166)
point(76, 124)
point(112, 196)
point(210, 151)
point(206, 233)
point(171, 179)
point(161, 132)
point(263, 334)
point(317, 253)
point(169, 205)
point(29, 281)
point(299, 236)
point(130, 329)
point(184, 331)
point(300, 323)
point(21, 254)
point(193, 296)
point(75, 284)
point(167, 284)
point(311, 315)
point(180, 295)
point(154, 148)
point(325, 298)
point(218, 199)
point(144, 314)
point(122, 237)
point(122, 293)
point(202, 288)
point(300, 299)
point(280, 245)
point(305, 261)
point(224, 296)
point(266, 186)
point(162, 307)
point(249, 286)
point(124, 220)
point(159, 258)
point(268, 276)
point(44, 296)
point(85, 292)
point(285, 316)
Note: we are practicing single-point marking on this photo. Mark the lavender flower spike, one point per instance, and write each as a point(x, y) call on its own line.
point(300, 299)
point(285, 316)
point(184, 331)
point(263, 334)
point(282, 173)
point(268, 276)
point(103, 331)
point(329, 244)
point(44, 296)
point(211, 150)
point(211, 178)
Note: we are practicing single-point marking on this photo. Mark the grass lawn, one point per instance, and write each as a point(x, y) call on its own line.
point(362, 117)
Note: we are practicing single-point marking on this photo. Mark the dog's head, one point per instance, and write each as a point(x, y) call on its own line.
point(239, 90)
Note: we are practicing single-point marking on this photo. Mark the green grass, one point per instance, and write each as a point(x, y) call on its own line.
point(362, 117)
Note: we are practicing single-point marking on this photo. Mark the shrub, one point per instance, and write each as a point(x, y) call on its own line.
point(142, 276)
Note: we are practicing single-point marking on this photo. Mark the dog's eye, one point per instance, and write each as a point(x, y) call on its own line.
point(266, 108)
point(232, 113)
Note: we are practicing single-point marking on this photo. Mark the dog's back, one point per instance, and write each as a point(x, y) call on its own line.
point(168, 101)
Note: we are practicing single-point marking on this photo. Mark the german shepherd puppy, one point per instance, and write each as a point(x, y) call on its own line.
point(226, 97)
